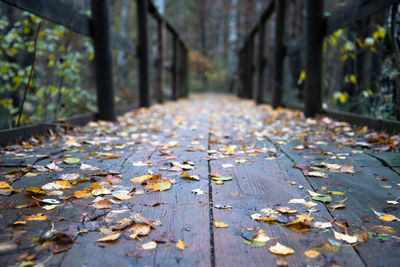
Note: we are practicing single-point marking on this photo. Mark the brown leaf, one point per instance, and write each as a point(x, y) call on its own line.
point(103, 204)
point(114, 179)
point(166, 237)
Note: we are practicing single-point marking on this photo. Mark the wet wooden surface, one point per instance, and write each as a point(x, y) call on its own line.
point(206, 132)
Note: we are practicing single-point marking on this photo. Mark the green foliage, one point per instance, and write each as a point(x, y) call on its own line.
point(57, 89)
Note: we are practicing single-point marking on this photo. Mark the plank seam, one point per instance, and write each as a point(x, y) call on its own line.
point(210, 203)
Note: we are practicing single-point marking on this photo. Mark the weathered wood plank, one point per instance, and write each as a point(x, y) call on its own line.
point(366, 189)
point(260, 184)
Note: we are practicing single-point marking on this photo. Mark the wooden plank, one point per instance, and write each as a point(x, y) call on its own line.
point(261, 63)
point(313, 60)
point(103, 60)
point(364, 190)
point(277, 93)
point(181, 212)
point(260, 184)
point(144, 90)
point(350, 14)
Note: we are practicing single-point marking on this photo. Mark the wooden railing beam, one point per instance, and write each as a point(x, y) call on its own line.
point(314, 40)
point(143, 56)
point(103, 60)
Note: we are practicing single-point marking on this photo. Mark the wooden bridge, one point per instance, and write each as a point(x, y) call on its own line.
point(205, 180)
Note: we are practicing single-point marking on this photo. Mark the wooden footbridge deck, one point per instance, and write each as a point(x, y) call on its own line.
point(207, 181)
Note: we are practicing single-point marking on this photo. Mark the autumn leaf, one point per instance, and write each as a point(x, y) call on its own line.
point(36, 217)
point(221, 225)
point(34, 190)
point(103, 204)
point(109, 238)
point(198, 191)
point(280, 250)
point(385, 217)
point(192, 177)
point(149, 245)
point(72, 160)
point(348, 238)
point(141, 179)
point(57, 185)
point(82, 194)
point(311, 253)
point(122, 196)
point(180, 245)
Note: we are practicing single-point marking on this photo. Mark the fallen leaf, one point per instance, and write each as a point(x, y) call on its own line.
point(109, 238)
point(344, 237)
point(311, 253)
point(280, 250)
point(138, 229)
point(192, 177)
point(149, 245)
point(57, 185)
point(114, 179)
point(82, 194)
point(69, 176)
point(166, 237)
point(180, 245)
point(72, 160)
point(141, 179)
point(385, 217)
point(5, 185)
point(103, 204)
point(122, 196)
point(221, 225)
point(34, 190)
point(198, 191)
point(36, 217)
point(316, 174)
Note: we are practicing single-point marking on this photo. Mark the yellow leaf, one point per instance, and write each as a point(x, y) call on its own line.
point(34, 190)
point(36, 217)
point(4, 185)
point(180, 245)
point(388, 218)
point(335, 192)
point(302, 77)
point(82, 194)
point(107, 238)
point(353, 79)
point(280, 249)
point(221, 225)
point(122, 196)
point(311, 253)
point(141, 179)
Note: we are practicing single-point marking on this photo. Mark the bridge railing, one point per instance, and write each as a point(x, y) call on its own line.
point(159, 52)
point(278, 53)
